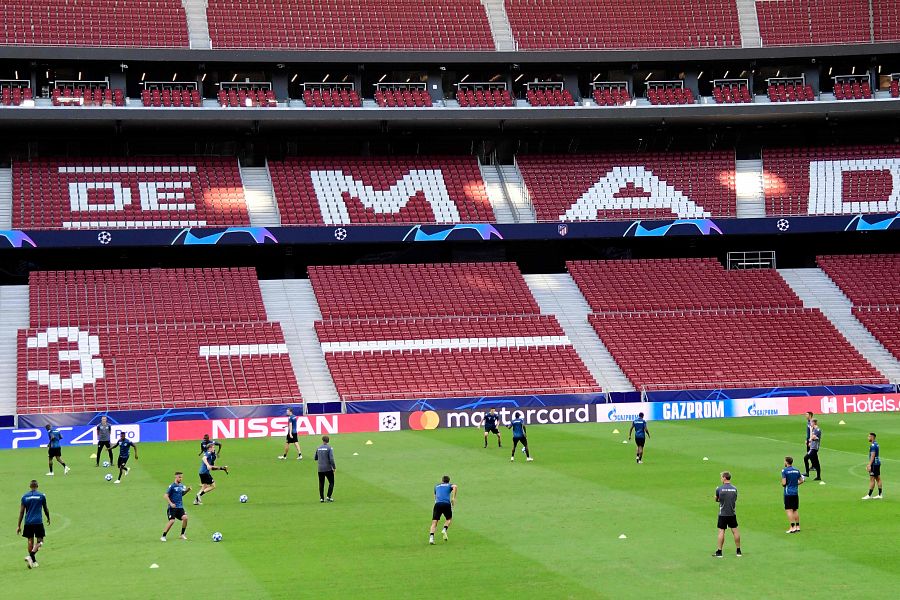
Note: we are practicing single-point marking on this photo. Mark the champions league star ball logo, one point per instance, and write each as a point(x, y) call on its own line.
point(783, 224)
point(340, 234)
point(104, 237)
point(389, 422)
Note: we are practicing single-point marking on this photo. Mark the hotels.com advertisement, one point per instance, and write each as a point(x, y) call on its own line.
point(857, 403)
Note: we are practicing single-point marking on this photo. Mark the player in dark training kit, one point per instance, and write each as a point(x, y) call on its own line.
point(490, 426)
point(54, 449)
point(291, 438)
point(726, 496)
point(791, 480)
point(205, 443)
point(175, 506)
point(207, 466)
point(103, 431)
point(639, 427)
point(873, 468)
point(519, 435)
point(33, 502)
point(124, 445)
point(444, 501)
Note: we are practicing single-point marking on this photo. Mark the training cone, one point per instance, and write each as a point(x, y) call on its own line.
point(821, 483)
point(614, 431)
point(93, 456)
point(368, 442)
point(705, 458)
point(154, 566)
point(623, 537)
point(841, 422)
point(356, 454)
point(624, 441)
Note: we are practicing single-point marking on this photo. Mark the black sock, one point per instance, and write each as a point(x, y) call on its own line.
point(879, 491)
point(183, 528)
point(870, 489)
point(32, 555)
point(201, 493)
point(445, 528)
point(63, 464)
point(164, 533)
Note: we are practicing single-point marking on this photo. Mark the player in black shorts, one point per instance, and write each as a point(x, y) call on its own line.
point(490, 426)
point(444, 499)
point(726, 496)
point(33, 502)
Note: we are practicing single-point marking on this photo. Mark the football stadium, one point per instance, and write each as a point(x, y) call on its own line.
point(488, 298)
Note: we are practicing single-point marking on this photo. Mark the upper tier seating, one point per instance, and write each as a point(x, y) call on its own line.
point(549, 98)
point(732, 93)
point(350, 24)
point(339, 98)
point(732, 349)
point(484, 98)
point(852, 91)
point(781, 92)
point(884, 323)
point(144, 297)
point(459, 289)
point(14, 95)
point(886, 18)
point(132, 23)
point(616, 96)
point(183, 98)
point(87, 95)
point(846, 180)
point(408, 342)
point(630, 186)
point(677, 284)
point(679, 323)
point(403, 98)
point(128, 193)
point(620, 24)
point(868, 280)
point(804, 22)
point(397, 190)
point(149, 339)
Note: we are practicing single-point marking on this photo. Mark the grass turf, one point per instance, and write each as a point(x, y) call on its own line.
point(547, 529)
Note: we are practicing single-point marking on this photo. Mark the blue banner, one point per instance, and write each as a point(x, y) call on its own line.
point(80, 435)
point(732, 393)
point(482, 402)
point(429, 234)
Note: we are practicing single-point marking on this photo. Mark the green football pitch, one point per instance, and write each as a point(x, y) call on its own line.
point(546, 529)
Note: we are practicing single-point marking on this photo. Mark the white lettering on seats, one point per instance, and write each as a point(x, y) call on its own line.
point(132, 224)
point(151, 195)
point(79, 193)
point(124, 169)
point(657, 194)
point(331, 185)
point(826, 186)
point(226, 350)
point(88, 348)
point(447, 344)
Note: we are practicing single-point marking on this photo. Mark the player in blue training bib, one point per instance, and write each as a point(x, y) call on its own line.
point(124, 445)
point(518, 430)
point(175, 506)
point(491, 418)
point(291, 437)
point(791, 480)
point(54, 449)
point(444, 499)
point(639, 427)
point(874, 468)
point(33, 503)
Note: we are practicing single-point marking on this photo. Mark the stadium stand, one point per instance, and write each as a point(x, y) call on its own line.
point(397, 190)
point(895, 87)
point(731, 91)
point(169, 96)
point(480, 98)
point(886, 20)
point(86, 93)
point(112, 340)
point(789, 89)
point(14, 92)
point(872, 283)
point(248, 96)
point(858, 89)
point(323, 96)
point(669, 92)
point(630, 186)
point(805, 22)
point(412, 331)
point(135, 23)
point(127, 193)
point(350, 24)
point(611, 93)
point(545, 95)
point(848, 180)
point(402, 98)
point(622, 24)
point(686, 323)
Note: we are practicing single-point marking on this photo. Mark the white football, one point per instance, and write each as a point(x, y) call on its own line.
point(217, 537)
point(243, 498)
point(108, 477)
point(105, 463)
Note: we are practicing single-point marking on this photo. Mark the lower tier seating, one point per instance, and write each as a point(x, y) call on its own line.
point(736, 348)
point(884, 323)
point(868, 280)
point(449, 373)
point(72, 369)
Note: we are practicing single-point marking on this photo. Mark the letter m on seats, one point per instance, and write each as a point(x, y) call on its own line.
point(332, 186)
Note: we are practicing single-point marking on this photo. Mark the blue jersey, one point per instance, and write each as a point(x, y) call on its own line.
point(518, 427)
point(204, 444)
point(176, 492)
point(792, 478)
point(640, 427)
point(442, 493)
point(292, 423)
point(34, 502)
point(490, 420)
point(125, 447)
point(874, 448)
point(210, 458)
point(55, 437)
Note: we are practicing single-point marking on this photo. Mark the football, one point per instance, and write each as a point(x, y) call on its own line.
point(108, 477)
point(243, 498)
point(217, 537)
point(105, 463)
